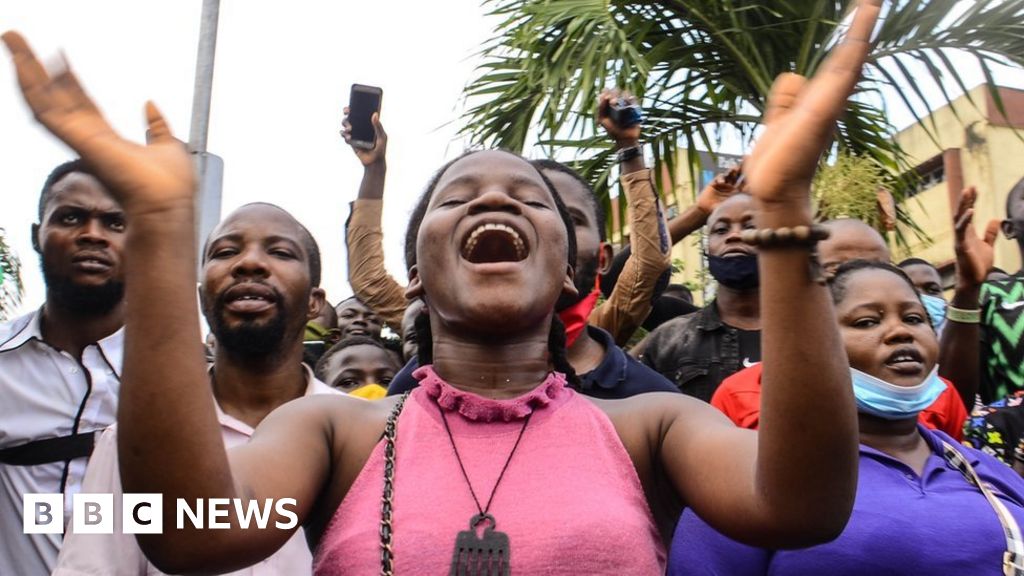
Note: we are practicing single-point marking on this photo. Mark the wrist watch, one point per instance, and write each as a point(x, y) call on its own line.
point(627, 154)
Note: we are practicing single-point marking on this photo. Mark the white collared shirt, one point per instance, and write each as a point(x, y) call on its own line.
point(47, 393)
point(118, 554)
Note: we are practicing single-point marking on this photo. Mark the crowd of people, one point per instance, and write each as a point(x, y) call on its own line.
point(531, 401)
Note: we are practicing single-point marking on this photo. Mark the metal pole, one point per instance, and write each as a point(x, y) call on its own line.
point(209, 168)
point(203, 89)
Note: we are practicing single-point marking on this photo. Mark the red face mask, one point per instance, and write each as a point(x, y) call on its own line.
point(575, 317)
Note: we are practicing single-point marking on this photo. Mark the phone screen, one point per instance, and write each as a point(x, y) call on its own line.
point(362, 105)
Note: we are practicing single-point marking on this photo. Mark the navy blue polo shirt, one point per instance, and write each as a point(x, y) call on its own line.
point(617, 376)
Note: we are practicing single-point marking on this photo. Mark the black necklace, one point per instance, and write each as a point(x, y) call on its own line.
point(489, 553)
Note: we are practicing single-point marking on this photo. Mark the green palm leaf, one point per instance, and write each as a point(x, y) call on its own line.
point(703, 69)
point(10, 278)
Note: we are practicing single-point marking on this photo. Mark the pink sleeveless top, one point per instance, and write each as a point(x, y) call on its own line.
point(570, 501)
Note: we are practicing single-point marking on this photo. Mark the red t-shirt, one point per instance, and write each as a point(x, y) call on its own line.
point(739, 398)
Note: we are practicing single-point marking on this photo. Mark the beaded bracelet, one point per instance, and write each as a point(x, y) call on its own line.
point(785, 236)
point(962, 316)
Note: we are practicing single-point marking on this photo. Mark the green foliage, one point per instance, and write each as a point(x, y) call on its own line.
point(848, 188)
point(704, 68)
point(695, 285)
point(678, 266)
point(10, 278)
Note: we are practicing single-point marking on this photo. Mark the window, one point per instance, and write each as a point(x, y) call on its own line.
point(929, 174)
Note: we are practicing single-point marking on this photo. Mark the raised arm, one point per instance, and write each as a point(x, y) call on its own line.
point(792, 483)
point(630, 301)
point(370, 281)
point(695, 216)
point(169, 440)
point(960, 344)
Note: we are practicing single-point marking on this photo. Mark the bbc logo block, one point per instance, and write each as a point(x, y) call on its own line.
point(142, 513)
point(92, 513)
point(43, 514)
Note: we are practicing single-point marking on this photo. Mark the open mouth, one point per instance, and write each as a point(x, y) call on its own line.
point(91, 262)
point(906, 360)
point(491, 243)
point(249, 297)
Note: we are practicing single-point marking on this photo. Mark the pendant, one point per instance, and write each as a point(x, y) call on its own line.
point(484, 555)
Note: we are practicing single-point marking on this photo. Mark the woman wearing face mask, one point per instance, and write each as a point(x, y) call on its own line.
point(739, 396)
point(917, 511)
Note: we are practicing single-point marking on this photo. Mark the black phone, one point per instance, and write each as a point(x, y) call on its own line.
point(362, 103)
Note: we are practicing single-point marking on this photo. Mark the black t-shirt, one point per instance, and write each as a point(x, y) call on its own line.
point(750, 346)
point(698, 351)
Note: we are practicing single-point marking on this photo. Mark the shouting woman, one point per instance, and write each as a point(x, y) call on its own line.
point(493, 463)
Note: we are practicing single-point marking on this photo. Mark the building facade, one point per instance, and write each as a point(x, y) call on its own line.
point(974, 144)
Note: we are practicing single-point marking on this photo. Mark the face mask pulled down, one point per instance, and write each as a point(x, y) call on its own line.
point(883, 399)
point(736, 272)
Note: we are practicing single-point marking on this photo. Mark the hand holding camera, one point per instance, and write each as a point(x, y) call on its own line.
point(621, 116)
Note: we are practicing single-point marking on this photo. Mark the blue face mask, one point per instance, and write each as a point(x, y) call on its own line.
point(880, 398)
point(936, 310)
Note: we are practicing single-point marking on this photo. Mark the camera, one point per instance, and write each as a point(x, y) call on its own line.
point(625, 114)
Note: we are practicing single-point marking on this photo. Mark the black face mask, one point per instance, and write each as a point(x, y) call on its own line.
point(736, 272)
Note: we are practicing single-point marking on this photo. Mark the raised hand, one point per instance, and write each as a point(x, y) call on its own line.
point(144, 179)
point(380, 146)
point(801, 117)
point(720, 189)
point(624, 137)
point(974, 256)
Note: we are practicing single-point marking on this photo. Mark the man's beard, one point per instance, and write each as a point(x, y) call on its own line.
point(81, 300)
point(249, 340)
point(585, 279)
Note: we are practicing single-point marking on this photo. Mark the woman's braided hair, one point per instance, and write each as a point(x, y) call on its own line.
point(556, 339)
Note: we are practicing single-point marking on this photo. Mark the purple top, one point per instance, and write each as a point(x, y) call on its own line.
point(902, 523)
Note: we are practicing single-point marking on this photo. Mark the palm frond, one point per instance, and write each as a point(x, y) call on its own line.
point(11, 287)
point(704, 67)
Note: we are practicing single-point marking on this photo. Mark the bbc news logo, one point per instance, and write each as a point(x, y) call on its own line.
point(144, 513)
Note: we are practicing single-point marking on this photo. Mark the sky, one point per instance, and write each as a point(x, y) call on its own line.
point(283, 73)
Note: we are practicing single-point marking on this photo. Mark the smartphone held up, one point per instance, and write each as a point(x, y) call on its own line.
point(363, 103)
